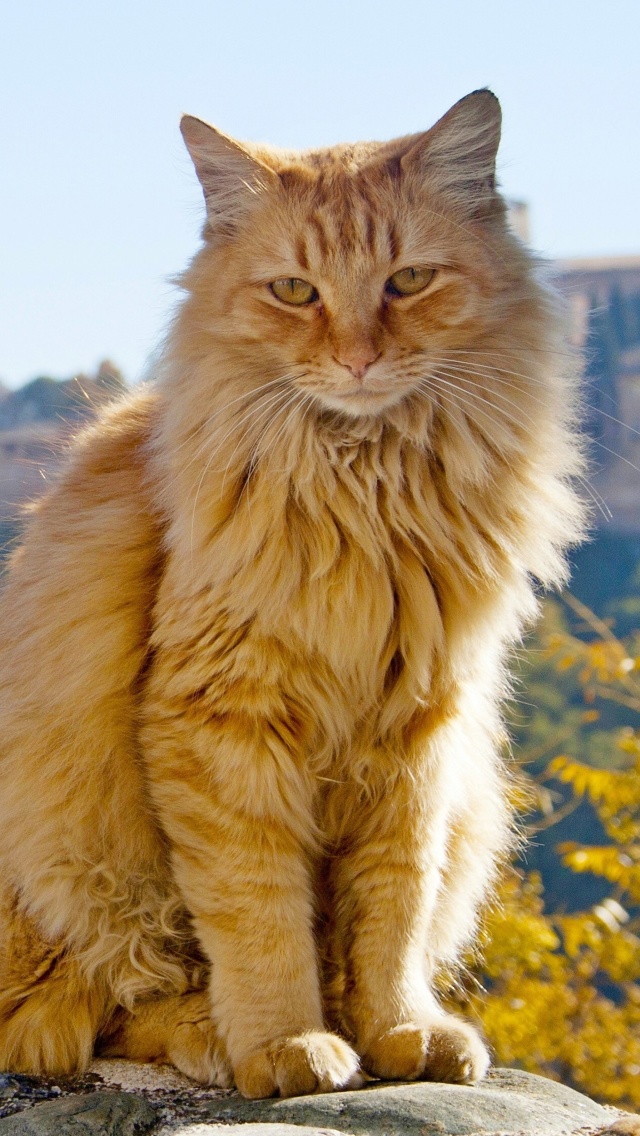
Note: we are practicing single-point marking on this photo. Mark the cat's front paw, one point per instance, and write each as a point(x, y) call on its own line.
point(295, 1066)
point(445, 1050)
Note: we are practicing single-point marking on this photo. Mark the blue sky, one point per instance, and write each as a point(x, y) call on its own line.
point(98, 202)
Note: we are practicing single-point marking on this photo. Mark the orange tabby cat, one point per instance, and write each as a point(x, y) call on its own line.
point(253, 640)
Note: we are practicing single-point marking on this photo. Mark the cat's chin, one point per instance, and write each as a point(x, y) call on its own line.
point(361, 403)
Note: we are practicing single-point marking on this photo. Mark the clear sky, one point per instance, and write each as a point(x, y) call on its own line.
point(98, 201)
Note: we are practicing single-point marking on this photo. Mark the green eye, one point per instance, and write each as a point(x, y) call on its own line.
point(408, 281)
point(293, 291)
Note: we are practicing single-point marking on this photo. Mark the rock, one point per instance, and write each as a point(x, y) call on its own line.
point(508, 1101)
point(122, 1098)
point(251, 1130)
point(17, 1092)
point(85, 1114)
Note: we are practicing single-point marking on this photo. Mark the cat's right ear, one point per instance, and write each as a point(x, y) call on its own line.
point(230, 177)
point(458, 154)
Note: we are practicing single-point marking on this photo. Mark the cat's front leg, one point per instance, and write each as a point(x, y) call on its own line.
point(386, 887)
point(236, 808)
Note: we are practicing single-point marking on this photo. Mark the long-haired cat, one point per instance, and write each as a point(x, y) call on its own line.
point(253, 641)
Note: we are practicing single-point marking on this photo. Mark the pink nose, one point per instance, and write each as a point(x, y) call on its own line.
point(358, 360)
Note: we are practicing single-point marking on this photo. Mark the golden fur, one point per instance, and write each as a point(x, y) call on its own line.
point(253, 640)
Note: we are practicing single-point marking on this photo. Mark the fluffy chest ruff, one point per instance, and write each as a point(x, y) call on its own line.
point(337, 595)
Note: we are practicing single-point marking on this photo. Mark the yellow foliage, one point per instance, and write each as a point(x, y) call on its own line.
point(559, 994)
point(542, 1008)
point(609, 789)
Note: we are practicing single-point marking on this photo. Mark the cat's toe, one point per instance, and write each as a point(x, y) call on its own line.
point(445, 1050)
point(455, 1053)
point(196, 1050)
point(296, 1066)
point(178, 1029)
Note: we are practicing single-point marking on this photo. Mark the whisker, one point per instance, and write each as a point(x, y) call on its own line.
point(459, 404)
point(587, 406)
point(252, 413)
point(491, 372)
point(495, 372)
point(265, 410)
point(597, 499)
point(237, 423)
point(272, 444)
point(468, 233)
point(254, 460)
point(482, 400)
point(465, 374)
point(523, 351)
point(257, 457)
point(493, 369)
point(488, 369)
point(614, 453)
point(246, 395)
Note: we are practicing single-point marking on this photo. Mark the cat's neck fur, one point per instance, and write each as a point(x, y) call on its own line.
point(229, 435)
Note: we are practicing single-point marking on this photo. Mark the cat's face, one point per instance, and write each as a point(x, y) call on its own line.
point(352, 271)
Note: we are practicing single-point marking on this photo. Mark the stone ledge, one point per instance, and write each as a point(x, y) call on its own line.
point(121, 1098)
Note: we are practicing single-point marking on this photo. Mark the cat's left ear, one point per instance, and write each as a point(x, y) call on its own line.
point(459, 153)
point(230, 177)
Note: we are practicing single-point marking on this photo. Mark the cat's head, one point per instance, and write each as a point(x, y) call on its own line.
point(351, 271)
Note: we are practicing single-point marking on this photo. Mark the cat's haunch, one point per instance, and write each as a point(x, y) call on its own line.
point(254, 638)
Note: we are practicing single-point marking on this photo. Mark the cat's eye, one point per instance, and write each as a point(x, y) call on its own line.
point(408, 281)
point(293, 291)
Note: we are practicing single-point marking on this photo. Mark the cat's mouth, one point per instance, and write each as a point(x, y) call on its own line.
point(360, 398)
point(361, 401)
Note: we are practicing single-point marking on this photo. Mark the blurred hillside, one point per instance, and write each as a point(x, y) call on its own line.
point(35, 425)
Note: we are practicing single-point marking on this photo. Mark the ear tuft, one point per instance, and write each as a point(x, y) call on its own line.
point(230, 177)
point(459, 152)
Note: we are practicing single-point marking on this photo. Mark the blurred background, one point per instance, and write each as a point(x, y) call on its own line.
point(99, 207)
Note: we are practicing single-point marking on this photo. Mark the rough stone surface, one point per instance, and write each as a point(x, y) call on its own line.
point(509, 1101)
point(121, 1098)
point(84, 1114)
point(252, 1130)
point(19, 1092)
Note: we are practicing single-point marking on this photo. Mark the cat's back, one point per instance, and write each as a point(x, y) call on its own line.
point(76, 613)
point(76, 601)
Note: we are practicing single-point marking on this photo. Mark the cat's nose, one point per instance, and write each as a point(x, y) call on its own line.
point(358, 360)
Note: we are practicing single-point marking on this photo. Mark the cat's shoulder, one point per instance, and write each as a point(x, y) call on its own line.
point(104, 473)
point(122, 427)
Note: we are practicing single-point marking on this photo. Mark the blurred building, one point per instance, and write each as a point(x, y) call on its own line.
point(604, 297)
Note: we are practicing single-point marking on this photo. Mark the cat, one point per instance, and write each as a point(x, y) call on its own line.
point(254, 637)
